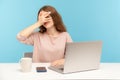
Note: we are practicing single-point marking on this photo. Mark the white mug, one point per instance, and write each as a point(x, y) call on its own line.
point(26, 64)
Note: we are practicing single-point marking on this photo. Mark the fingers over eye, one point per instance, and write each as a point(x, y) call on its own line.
point(47, 14)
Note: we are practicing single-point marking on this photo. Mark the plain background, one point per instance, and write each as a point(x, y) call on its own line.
point(86, 20)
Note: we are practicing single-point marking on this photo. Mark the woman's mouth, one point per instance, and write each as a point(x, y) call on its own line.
point(46, 23)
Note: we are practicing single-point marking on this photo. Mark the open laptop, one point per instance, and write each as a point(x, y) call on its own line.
point(80, 56)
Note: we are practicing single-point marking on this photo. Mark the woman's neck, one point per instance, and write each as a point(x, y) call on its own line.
point(52, 32)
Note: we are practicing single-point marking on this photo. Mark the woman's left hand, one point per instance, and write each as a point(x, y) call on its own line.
point(58, 62)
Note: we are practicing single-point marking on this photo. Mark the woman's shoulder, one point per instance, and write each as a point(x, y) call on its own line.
point(65, 33)
point(68, 37)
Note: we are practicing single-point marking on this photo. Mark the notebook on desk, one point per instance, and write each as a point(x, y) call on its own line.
point(80, 56)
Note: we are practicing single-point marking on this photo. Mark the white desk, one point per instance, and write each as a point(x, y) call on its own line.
point(11, 71)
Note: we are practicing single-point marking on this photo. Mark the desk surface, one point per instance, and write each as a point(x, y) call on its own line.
point(11, 71)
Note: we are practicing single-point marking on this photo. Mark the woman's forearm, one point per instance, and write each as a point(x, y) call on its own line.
point(27, 31)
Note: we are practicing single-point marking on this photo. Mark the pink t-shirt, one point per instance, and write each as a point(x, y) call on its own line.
point(47, 48)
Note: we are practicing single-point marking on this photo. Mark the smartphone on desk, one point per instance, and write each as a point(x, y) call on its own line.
point(41, 69)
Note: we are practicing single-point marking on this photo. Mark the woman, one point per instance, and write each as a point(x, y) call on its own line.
point(49, 42)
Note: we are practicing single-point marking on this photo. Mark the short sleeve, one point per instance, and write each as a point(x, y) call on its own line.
point(69, 39)
point(29, 40)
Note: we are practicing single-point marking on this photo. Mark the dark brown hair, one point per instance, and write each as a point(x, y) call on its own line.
point(58, 23)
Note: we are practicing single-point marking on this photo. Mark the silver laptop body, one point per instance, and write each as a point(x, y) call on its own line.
point(80, 56)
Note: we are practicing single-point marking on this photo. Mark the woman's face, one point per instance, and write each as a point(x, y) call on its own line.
point(49, 23)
